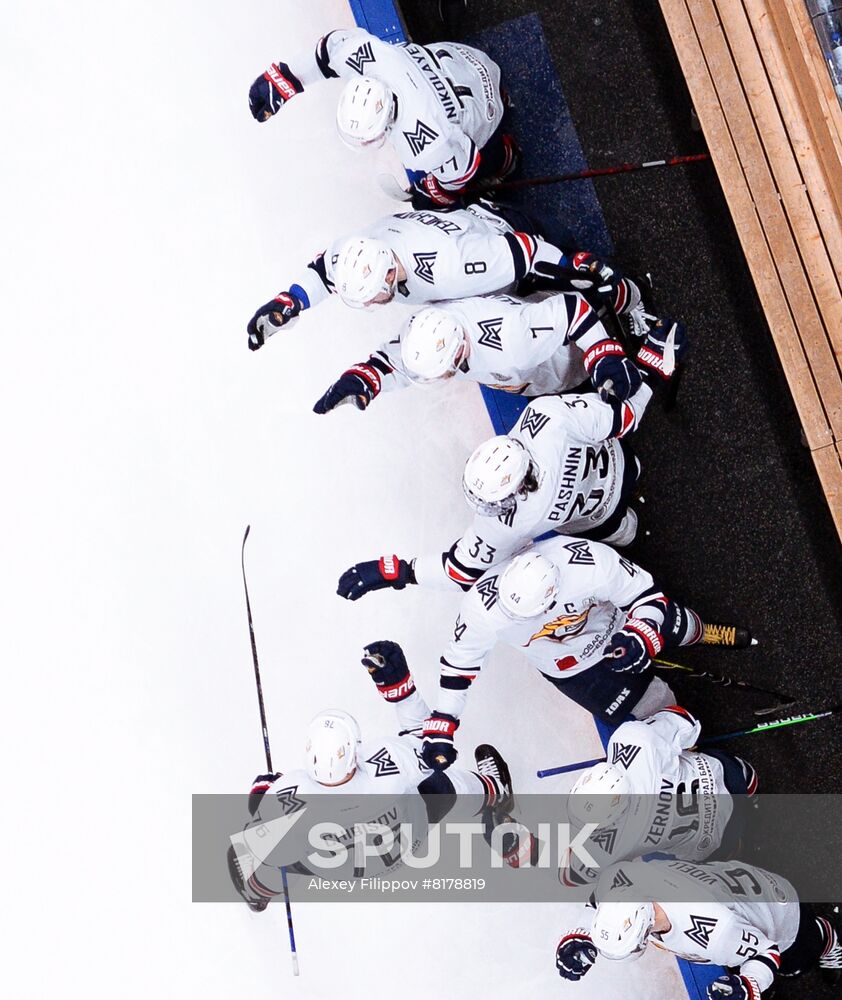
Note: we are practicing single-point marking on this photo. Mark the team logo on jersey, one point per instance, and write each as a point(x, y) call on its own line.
point(621, 880)
point(533, 422)
point(360, 59)
point(289, 800)
point(605, 839)
point(383, 763)
point(490, 336)
point(580, 554)
point(701, 930)
point(628, 566)
point(624, 754)
point(487, 590)
point(507, 517)
point(424, 266)
point(420, 138)
point(562, 628)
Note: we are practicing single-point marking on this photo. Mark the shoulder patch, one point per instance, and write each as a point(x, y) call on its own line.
point(424, 266)
point(383, 763)
point(420, 138)
point(490, 336)
point(361, 58)
point(289, 800)
point(533, 422)
point(487, 590)
point(624, 754)
point(580, 553)
point(701, 930)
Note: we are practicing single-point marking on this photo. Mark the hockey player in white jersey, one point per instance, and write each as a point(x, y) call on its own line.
point(338, 762)
point(563, 468)
point(440, 106)
point(654, 792)
point(550, 343)
point(423, 257)
point(721, 913)
point(589, 619)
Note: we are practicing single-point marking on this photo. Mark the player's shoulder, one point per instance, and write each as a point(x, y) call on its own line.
point(480, 606)
point(389, 758)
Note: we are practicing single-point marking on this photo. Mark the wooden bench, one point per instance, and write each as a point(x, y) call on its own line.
point(773, 124)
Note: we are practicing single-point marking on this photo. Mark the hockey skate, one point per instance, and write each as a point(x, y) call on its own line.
point(830, 963)
point(735, 636)
point(490, 764)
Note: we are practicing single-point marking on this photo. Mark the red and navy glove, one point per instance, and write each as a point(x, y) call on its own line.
point(438, 750)
point(389, 670)
point(733, 987)
point(574, 956)
point(387, 571)
point(270, 92)
point(259, 787)
point(611, 372)
point(632, 649)
point(271, 317)
point(664, 348)
point(428, 194)
point(358, 385)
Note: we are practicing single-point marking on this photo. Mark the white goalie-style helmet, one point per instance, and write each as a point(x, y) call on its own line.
point(433, 345)
point(528, 586)
point(495, 474)
point(620, 930)
point(601, 795)
point(366, 113)
point(365, 273)
point(333, 738)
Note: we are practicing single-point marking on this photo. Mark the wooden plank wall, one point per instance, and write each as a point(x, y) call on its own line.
point(773, 125)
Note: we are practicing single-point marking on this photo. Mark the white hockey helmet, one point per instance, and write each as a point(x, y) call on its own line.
point(495, 474)
point(433, 345)
point(620, 930)
point(528, 586)
point(365, 273)
point(601, 795)
point(333, 738)
point(366, 113)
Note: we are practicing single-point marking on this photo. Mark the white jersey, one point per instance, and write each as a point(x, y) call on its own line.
point(446, 255)
point(448, 96)
point(526, 347)
point(741, 916)
point(597, 586)
point(383, 790)
point(678, 802)
point(572, 441)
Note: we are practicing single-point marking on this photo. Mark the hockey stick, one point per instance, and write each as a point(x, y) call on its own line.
point(723, 680)
point(266, 748)
point(761, 727)
point(582, 175)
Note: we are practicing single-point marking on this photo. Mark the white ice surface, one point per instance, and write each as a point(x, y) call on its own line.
point(144, 217)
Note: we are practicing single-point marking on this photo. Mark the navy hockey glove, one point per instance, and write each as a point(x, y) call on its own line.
point(271, 317)
point(633, 647)
point(438, 750)
point(733, 987)
point(388, 668)
point(574, 956)
point(259, 787)
point(387, 571)
point(664, 348)
point(358, 385)
point(272, 90)
point(611, 372)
